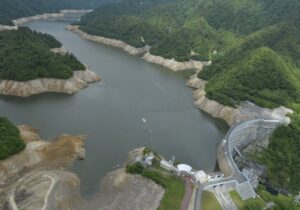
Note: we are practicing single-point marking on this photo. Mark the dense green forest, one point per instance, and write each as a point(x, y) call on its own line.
point(25, 55)
point(254, 47)
point(282, 156)
point(190, 29)
point(13, 9)
point(169, 26)
point(10, 140)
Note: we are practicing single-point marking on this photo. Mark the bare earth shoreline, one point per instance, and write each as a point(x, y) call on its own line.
point(72, 85)
point(171, 64)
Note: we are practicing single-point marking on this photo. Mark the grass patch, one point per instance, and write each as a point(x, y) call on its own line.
point(237, 199)
point(249, 204)
point(210, 202)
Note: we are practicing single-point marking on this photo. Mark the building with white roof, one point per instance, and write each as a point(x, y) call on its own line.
point(184, 169)
point(201, 177)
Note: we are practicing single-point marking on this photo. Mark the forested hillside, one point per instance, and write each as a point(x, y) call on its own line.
point(254, 47)
point(10, 141)
point(169, 26)
point(13, 9)
point(25, 55)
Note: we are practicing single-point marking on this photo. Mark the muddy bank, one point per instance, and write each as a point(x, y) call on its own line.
point(45, 16)
point(245, 111)
point(72, 85)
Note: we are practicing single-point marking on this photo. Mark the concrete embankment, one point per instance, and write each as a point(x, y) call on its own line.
point(245, 111)
point(46, 16)
point(72, 85)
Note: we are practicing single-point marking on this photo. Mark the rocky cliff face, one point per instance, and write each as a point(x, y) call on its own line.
point(111, 42)
point(173, 64)
point(245, 111)
point(79, 81)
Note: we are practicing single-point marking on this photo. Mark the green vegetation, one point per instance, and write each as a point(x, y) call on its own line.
point(174, 186)
point(13, 9)
point(262, 76)
point(279, 202)
point(254, 46)
point(264, 67)
point(169, 26)
point(176, 28)
point(282, 156)
point(237, 199)
point(25, 55)
point(136, 168)
point(249, 204)
point(252, 204)
point(210, 202)
point(10, 140)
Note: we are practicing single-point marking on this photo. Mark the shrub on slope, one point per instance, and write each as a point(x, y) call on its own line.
point(10, 141)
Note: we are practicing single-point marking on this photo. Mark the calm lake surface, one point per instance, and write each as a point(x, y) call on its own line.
point(111, 111)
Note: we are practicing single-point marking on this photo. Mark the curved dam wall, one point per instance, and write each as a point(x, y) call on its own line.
point(245, 133)
point(238, 137)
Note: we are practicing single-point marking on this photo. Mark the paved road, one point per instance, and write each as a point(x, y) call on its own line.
point(188, 193)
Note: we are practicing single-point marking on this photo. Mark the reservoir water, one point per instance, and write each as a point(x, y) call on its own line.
point(136, 104)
